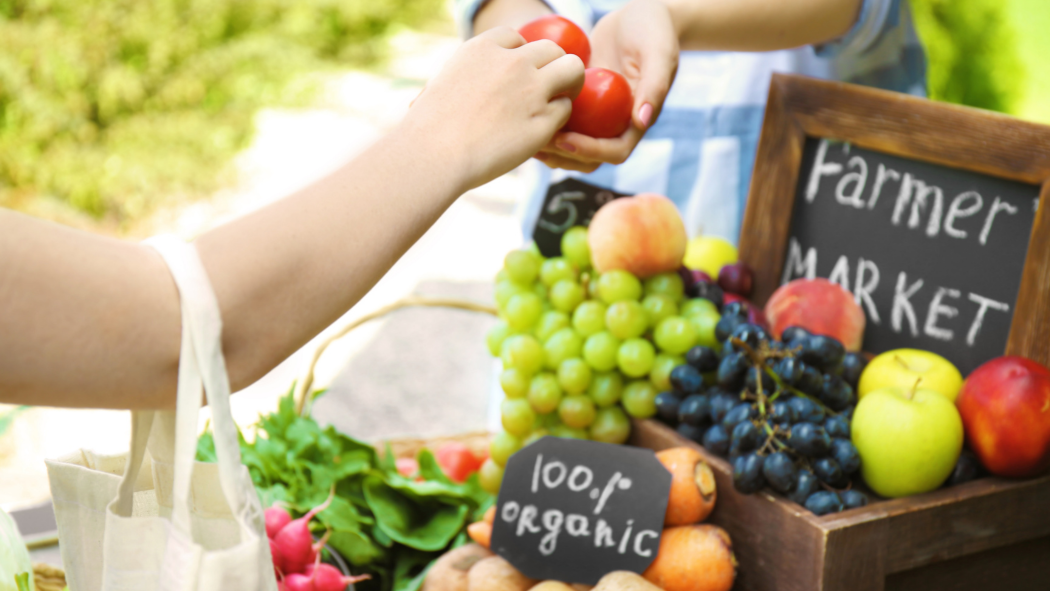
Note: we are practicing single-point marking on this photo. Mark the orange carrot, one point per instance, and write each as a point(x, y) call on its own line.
point(692, 486)
point(480, 532)
point(490, 515)
point(693, 558)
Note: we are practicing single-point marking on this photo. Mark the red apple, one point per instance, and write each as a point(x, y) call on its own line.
point(819, 306)
point(643, 235)
point(736, 278)
point(1005, 408)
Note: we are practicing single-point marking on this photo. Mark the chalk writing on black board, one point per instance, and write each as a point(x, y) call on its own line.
point(569, 203)
point(932, 254)
point(576, 510)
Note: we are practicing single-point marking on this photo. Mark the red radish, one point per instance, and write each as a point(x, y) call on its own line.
point(407, 467)
point(276, 518)
point(299, 582)
point(278, 562)
point(294, 542)
point(328, 578)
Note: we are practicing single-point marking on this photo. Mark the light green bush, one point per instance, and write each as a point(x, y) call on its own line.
point(111, 105)
point(972, 52)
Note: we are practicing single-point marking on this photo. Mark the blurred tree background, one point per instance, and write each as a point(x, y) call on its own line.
point(114, 107)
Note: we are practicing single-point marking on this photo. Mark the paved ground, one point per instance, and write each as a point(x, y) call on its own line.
point(418, 372)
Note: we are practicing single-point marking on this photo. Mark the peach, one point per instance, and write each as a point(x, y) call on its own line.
point(643, 235)
point(819, 306)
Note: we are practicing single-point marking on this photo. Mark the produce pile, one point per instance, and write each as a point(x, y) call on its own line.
point(388, 524)
point(633, 320)
point(692, 556)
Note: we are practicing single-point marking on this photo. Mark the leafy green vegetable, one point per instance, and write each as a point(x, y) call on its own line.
point(383, 523)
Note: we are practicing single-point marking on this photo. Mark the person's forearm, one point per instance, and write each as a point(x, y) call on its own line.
point(286, 272)
point(760, 25)
point(88, 321)
point(508, 13)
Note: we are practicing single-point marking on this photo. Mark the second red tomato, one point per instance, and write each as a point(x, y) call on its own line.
point(603, 108)
point(560, 30)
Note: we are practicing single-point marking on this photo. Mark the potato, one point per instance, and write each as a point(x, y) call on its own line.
point(623, 580)
point(496, 574)
point(551, 586)
point(449, 572)
point(581, 587)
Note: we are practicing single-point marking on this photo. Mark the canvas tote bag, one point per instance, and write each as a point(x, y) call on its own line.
point(155, 519)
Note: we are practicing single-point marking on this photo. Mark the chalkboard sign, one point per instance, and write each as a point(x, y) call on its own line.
point(932, 215)
point(569, 203)
point(574, 511)
point(934, 255)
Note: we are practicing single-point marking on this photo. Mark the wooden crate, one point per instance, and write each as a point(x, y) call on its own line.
point(990, 534)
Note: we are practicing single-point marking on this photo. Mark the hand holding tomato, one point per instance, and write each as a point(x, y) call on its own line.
point(495, 103)
point(640, 42)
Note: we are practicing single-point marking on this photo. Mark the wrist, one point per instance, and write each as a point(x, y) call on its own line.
point(679, 11)
point(431, 154)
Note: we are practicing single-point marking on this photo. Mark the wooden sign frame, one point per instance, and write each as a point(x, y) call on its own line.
point(901, 125)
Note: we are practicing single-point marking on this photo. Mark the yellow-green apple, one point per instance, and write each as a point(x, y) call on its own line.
point(709, 254)
point(1005, 408)
point(643, 235)
point(908, 440)
point(900, 368)
point(819, 306)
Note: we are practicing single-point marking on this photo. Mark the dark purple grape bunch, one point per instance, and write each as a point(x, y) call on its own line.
point(778, 410)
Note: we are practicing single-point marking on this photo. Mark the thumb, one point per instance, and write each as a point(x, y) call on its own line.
point(657, 71)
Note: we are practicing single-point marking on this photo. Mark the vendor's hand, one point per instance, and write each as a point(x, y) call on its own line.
point(495, 103)
point(640, 42)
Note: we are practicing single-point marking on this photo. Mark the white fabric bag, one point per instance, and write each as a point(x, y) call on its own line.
point(154, 519)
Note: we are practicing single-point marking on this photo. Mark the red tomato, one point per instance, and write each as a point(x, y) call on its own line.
point(603, 109)
point(457, 461)
point(561, 31)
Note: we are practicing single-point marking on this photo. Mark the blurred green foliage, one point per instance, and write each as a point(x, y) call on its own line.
point(972, 54)
point(111, 104)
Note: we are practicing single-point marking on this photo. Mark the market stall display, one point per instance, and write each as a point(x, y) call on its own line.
point(821, 413)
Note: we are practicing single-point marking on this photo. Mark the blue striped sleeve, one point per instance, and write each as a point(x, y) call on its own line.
point(876, 17)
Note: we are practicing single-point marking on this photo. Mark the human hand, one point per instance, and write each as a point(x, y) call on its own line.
point(496, 103)
point(640, 42)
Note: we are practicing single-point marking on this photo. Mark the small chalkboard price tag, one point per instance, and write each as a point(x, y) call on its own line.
point(569, 203)
point(574, 511)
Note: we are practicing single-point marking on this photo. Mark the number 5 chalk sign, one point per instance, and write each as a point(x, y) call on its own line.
point(569, 203)
point(573, 511)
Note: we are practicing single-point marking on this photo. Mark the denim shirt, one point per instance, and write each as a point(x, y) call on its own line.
point(701, 151)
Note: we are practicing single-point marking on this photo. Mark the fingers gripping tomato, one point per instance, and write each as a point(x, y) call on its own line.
point(560, 30)
point(603, 108)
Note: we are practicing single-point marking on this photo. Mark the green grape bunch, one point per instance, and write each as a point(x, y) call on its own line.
point(582, 353)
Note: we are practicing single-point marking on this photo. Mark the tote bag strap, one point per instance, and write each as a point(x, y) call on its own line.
point(202, 363)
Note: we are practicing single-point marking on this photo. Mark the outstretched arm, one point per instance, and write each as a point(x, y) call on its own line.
point(91, 321)
point(760, 25)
